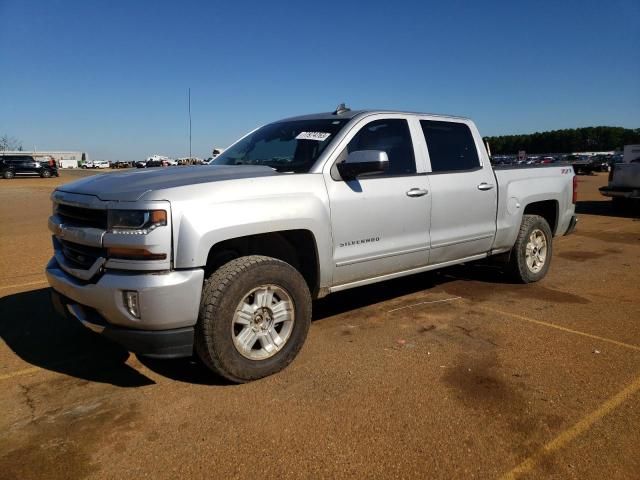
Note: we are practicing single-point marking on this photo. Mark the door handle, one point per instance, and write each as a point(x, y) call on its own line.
point(485, 186)
point(417, 192)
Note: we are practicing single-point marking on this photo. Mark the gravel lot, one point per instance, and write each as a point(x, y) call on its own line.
point(453, 374)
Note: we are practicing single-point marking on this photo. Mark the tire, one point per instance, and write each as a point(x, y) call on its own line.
point(45, 174)
point(221, 329)
point(8, 174)
point(524, 263)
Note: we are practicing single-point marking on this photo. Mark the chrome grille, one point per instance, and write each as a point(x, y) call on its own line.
point(80, 256)
point(81, 216)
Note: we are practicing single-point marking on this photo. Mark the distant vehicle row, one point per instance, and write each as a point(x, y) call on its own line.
point(582, 164)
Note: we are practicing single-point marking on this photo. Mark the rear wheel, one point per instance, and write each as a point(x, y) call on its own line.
point(8, 174)
point(531, 254)
point(254, 317)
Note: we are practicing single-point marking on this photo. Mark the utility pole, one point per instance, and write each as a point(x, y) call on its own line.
point(190, 157)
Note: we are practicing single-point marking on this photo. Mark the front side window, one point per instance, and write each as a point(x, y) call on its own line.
point(292, 146)
point(391, 136)
point(451, 146)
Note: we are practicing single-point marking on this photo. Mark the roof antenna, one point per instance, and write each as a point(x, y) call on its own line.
point(341, 109)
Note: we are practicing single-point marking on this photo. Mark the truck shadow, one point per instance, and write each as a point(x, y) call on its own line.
point(606, 208)
point(186, 370)
point(355, 298)
point(39, 336)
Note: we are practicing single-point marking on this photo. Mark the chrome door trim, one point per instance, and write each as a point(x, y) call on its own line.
point(378, 257)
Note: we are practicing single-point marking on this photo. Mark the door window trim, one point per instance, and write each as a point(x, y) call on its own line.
point(468, 170)
point(481, 157)
point(420, 161)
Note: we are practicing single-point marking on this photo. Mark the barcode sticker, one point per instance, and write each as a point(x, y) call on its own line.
point(319, 136)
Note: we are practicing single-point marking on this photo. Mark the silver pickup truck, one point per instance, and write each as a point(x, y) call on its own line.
point(224, 260)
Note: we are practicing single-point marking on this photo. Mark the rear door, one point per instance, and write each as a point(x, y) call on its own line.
point(380, 223)
point(26, 165)
point(18, 164)
point(464, 193)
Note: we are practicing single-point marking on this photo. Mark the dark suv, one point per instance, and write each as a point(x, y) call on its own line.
point(12, 165)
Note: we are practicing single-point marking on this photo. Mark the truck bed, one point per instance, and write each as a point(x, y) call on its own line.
point(519, 186)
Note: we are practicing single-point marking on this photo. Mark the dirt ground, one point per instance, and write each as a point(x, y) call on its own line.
point(452, 374)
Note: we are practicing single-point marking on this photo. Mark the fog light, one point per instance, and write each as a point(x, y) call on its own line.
point(131, 302)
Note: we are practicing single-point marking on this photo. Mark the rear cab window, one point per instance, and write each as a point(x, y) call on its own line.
point(451, 146)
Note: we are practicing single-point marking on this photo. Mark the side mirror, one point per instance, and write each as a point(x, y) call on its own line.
point(363, 161)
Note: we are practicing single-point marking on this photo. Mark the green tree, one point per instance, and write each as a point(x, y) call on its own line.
point(567, 140)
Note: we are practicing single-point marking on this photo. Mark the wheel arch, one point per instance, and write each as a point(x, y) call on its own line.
point(296, 247)
point(547, 209)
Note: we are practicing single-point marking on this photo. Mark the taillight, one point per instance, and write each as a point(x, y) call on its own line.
point(575, 189)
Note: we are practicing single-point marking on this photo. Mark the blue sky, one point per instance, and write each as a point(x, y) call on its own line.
point(111, 77)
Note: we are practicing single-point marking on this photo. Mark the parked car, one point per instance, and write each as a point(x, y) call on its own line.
point(227, 259)
point(624, 179)
point(582, 164)
point(141, 164)
point(120, 164)
point(154, 163)
point(23, 165)
point(96, 164)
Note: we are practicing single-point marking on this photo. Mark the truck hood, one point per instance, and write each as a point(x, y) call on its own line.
point(132, 185)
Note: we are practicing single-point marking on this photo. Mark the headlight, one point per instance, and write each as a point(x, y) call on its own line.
point(136, 222)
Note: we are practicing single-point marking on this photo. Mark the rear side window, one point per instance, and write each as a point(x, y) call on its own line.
point(451, 146)
point(13, 160)
point(391, 136)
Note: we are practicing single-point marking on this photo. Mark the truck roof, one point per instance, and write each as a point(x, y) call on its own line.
point(349, 114)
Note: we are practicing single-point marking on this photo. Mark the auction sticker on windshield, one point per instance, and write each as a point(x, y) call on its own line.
point(319, 136)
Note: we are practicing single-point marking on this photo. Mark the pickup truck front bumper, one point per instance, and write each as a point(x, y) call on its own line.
point(168, 306)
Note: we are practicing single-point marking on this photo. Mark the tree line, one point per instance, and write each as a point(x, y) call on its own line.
point(589, 139)
point(9, 143)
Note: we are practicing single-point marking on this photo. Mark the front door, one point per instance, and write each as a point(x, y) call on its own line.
point(380, 223)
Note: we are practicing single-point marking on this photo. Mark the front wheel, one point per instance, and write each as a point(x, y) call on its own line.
point(531, 254)
point(255, 313)
point(45, 174)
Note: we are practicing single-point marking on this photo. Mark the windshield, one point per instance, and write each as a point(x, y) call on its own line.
point(292, 146)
